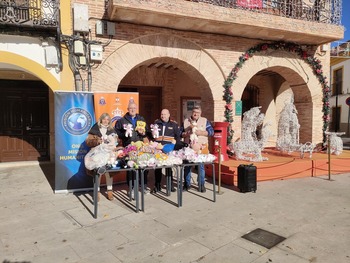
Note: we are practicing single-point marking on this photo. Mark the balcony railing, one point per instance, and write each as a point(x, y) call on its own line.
point(340, 49)
point(30, 13)
point(329, 11)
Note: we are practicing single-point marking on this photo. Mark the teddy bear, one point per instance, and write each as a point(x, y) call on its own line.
point(128, 129)
point(102, 154)
point(155, 130)
point(193, 135)
point(111, 139)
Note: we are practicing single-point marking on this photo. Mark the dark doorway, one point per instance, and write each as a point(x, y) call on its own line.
point(149, 101)
point(250, 98)
point(24, 121)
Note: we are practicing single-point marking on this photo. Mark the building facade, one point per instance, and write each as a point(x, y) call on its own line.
point(228, 56)
point(340, 84)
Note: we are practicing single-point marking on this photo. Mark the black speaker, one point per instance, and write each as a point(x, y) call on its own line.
point(246, 178)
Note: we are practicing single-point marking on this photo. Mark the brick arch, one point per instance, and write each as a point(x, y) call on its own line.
point(294, 70)
point(189, 55)
point(300, 78)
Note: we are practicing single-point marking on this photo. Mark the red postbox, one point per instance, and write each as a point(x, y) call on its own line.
point(220, 139)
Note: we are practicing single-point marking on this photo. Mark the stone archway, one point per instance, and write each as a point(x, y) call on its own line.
point(191, 58)
point(301, 80)
point(35, 102)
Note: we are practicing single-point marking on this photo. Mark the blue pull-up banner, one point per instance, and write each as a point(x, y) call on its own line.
point(74, 116)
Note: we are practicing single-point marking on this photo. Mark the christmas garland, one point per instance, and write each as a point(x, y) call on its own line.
point(291, 47)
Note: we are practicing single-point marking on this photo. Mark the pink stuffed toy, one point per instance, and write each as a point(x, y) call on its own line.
point(155, 130)
point(128, 129)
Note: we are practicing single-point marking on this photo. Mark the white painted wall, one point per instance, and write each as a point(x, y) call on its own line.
point(345, 92)
point(31, 48)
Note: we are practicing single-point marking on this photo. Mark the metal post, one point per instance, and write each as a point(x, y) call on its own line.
point(219, 180)
point(329, 157)
point(348, 121)
point(213, 174)
point(179, 186)
point(95, 194)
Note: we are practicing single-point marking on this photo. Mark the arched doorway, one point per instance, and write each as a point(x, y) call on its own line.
point(26, 120)
point(250, 98)
point(167, 61)
point(166, 83)
point(280, 77)
point(272, 88)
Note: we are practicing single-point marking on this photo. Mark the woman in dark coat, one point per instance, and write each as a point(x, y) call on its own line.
point(102, 128)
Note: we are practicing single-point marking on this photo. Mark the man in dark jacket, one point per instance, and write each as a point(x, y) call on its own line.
point(168, 132)
point(137, 134)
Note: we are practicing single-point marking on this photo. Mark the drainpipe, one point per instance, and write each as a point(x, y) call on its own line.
point(77, 80)
point(89, 78)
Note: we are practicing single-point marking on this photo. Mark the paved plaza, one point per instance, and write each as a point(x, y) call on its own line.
point(37, 225)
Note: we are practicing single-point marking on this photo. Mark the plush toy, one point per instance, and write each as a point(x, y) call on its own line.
point(111, 139)
point(119, 152)
point(169, 147)
point(146, 160)
point(148, 149)
point(196, 147)
point(155, 130)
point(193, 136)
point(151, 147)
point(141, 127)
point(128, 129)
point(129, 148)
point(156, 145)
point(138, 144)
point(161, 157)
point(102, 154)
point(132, 156)
point(200, 148)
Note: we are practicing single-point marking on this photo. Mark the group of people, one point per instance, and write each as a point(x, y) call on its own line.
point(169, 131)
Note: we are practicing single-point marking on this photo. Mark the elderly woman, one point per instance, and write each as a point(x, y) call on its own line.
point(100, 130)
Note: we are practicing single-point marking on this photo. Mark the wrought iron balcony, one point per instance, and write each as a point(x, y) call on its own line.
point(317, 10)
point(311, 22)
point(340, 49)
point(29, 14)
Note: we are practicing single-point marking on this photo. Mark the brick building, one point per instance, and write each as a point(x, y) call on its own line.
point(171, 52)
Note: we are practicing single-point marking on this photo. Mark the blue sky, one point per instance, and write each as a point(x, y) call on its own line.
point(346, 19)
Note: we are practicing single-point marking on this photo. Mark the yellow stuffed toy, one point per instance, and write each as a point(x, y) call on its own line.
point(141, 127)
point(138, 144)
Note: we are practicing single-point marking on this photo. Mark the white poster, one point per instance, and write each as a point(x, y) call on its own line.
point(187, 106)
